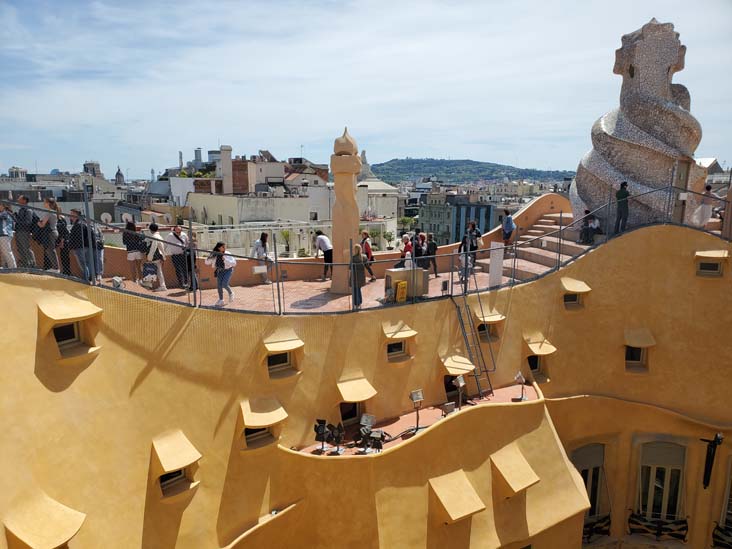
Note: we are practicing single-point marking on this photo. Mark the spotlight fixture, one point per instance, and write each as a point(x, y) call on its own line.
point(417, 397)
point(337, 434)
point(321, 433)
point(459, 382)
point(367, 420)
point(377, 440)
point(521, 380)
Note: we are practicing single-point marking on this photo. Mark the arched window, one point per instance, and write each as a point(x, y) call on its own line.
point(590, 462)
point(661, 480)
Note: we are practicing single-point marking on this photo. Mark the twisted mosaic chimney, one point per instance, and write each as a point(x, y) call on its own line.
point(642, 140)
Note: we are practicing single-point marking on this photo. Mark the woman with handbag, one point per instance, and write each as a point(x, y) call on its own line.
point(48, 235)
point(223, 264)
point(156, 255)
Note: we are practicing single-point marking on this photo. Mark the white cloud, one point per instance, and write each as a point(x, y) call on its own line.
point(497, 81)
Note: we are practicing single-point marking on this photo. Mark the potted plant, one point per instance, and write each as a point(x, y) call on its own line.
point(389, 237)
point(286, 235)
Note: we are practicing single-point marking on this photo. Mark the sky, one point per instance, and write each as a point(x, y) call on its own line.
point(516, 82)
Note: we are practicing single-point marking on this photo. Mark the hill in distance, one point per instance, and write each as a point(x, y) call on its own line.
point(458, 171)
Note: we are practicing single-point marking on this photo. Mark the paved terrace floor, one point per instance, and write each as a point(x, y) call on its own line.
point(301, 296)
point(427, 417)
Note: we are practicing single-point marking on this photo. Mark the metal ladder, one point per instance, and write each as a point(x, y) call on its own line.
point(471, 337)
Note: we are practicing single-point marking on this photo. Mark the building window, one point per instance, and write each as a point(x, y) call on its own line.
point(572, 300)
point(278, 362)
point(255, 437)
point(727, 510)
point(487, 332)
point(534, 363)
point(169, 481)
point(396, 349)
point(661, 480)
point(66, 334)
point(635, 358)
point(590, 462)
point(709, 268)
point(350, 412)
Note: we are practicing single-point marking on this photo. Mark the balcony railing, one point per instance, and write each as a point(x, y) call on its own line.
point(722, 537)
point(658, 528)
point(597, 526)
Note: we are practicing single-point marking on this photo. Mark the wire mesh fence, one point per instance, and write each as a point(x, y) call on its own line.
point(167, 261)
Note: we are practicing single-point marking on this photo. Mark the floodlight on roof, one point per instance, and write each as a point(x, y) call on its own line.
point(377, 440)
point(416, 396)
point(521, 380)
point(459, 382)
point(367, 420)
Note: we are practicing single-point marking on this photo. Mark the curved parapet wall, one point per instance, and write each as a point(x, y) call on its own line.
point(642, 141)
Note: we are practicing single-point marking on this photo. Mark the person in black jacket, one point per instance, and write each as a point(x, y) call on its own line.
point(80, 242)
point(26, 221)
point(63, 245)
point(136, 250)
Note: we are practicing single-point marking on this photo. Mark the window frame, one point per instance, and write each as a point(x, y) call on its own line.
point(68, 342)
point(572, 303)
point(719, 271)
point(600, 485)
point(726, 517)
point(668, 469)
point(260, 437)
point(397, 355)
point(176, 477)
point(641, 363)
point(489, 333)
point(280, 367)
point(354, 420)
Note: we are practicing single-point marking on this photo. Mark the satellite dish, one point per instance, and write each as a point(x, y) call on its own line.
point(126, 217)
point(106, 217)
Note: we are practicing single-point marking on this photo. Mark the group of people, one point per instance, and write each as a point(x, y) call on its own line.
point(418, 250)
point(50, 229)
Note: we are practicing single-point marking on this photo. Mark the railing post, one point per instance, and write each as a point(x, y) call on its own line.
point(192, 261)
point(352, 270)
point(277, 273)
point(559, 246)
point(452, 271)
point(607, 217)
point(92, 247)
point(513, 269)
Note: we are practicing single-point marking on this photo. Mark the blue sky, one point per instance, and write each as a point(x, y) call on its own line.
point(518, 82)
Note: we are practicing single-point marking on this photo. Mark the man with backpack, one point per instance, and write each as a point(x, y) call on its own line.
point(80, 241)
point(26, 221)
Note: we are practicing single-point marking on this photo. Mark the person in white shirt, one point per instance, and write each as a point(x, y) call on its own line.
point(223, 264)
point(156, 255)
point(259, 251)
point(175, 247)
point(322, 244)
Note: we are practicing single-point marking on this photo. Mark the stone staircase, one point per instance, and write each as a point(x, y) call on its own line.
point(537, 253)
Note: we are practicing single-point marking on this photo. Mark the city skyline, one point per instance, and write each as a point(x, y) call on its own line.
point(513, 84)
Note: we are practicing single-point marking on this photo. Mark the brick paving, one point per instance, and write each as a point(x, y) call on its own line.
point(300, 296)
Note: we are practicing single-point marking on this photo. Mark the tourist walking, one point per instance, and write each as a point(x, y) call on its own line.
point(323, 244)
point(432, 254)
point(705, 210)
point(156, 255)
point(358, 274)
point(259, 252)
point(80, 242)
point(474, 237)
point(62, 245)
point(25, 224)
point(417, 250)
point(507, 227)
point(223, 264)
point(136, 249)
point(7, 229)
point(98, 237)
point(406, 248)
point(368, 252)
point(176, 244)
point(47, 234)
point(191, 267)
point(621, 216)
